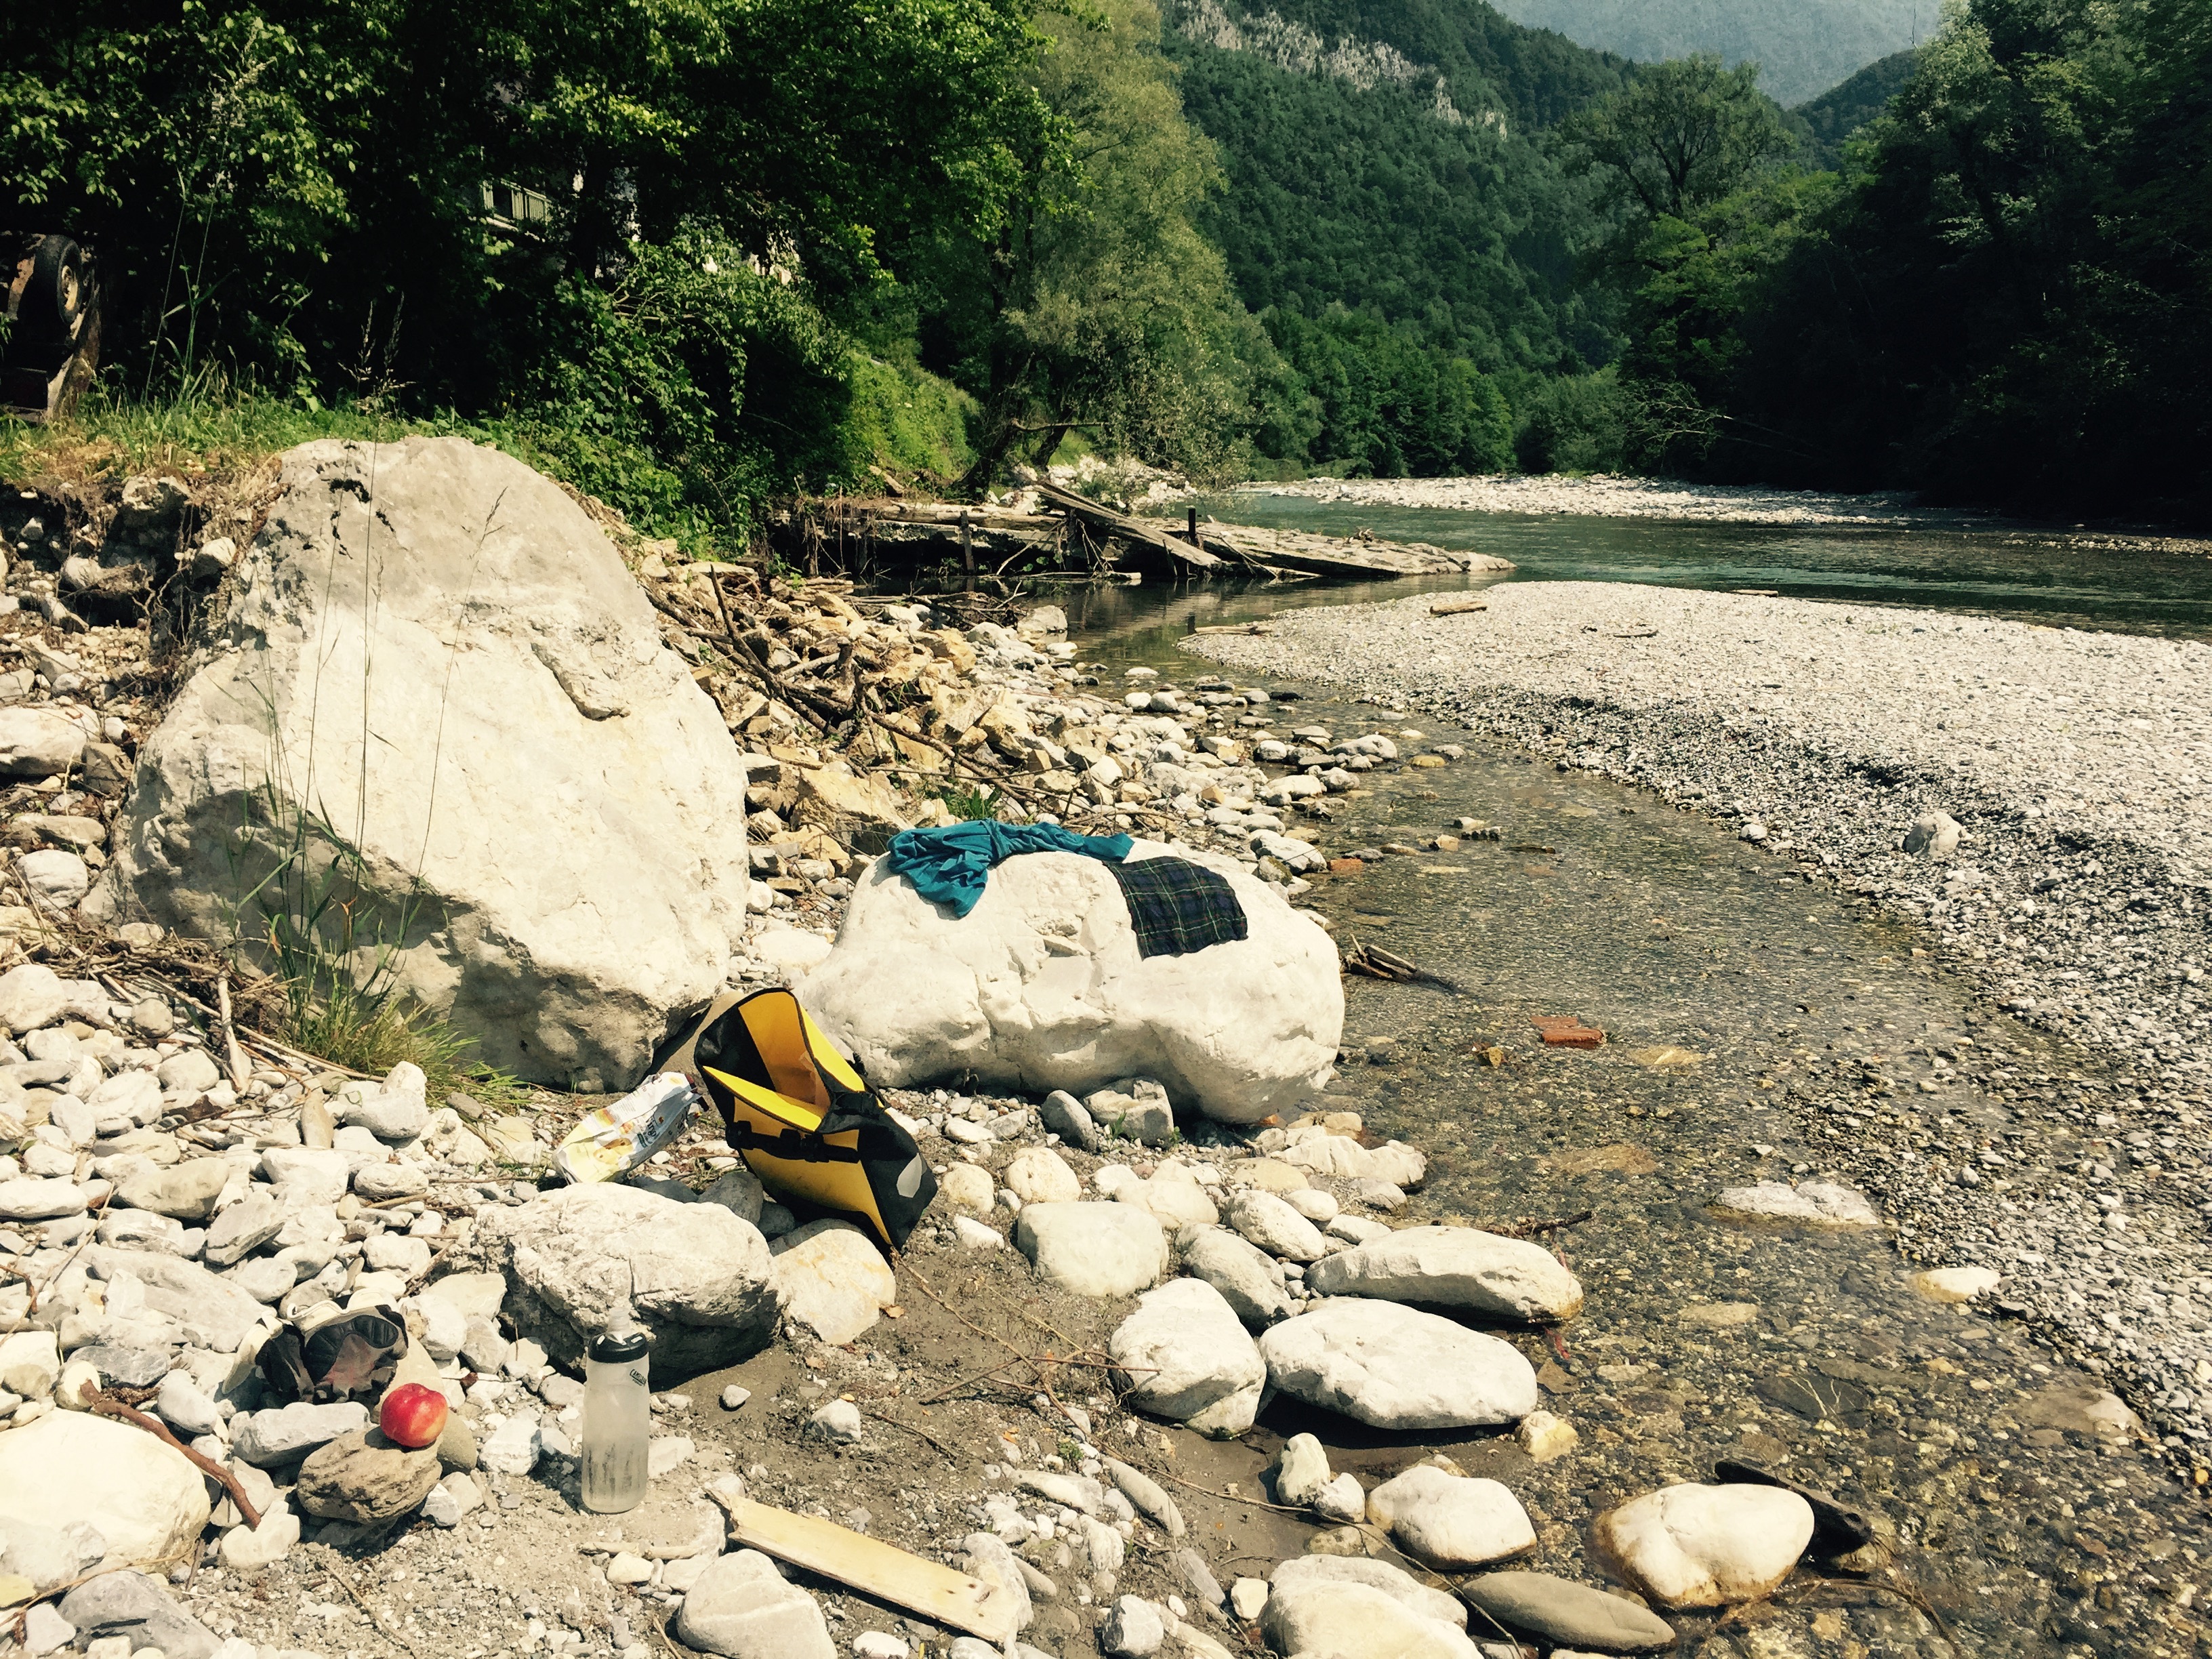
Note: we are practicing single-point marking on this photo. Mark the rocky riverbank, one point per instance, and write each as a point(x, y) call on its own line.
point(1607, 496)
point(2031, 796)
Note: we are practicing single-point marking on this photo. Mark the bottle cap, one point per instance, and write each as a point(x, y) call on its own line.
point(618, 1345)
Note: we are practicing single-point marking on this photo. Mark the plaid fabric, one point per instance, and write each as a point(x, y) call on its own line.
point(1178, 907)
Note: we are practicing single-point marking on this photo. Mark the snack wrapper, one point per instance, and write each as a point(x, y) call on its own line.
point(613, 1139)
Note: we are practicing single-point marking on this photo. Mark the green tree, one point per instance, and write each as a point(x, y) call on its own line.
point(1678, 137)
point(1100, 306)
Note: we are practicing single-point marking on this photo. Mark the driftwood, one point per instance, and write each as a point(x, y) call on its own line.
point(1373, 962)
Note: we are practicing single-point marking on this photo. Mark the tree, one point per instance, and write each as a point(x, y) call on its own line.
point(1680, 136)
point(1100, 306)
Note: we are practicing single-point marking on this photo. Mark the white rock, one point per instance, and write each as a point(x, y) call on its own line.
point(565, 734)
point(59, 877)
point(1453, 1522)
point(1707, 1547)
point(1301, 1470)
point(283, 1434)
point(990, 1560)
point(37, 742)
point(30, 1198)
point(1132, 1629)
point(451, 1498)
point(742, 1608)
point(34, 994)
point(838, 1422)
point(1271, 1223)
point(1301, 1571)
point(1246, 1275)
point(1242, 1029)
point(1171, 1198)
point(1037, 1175)
point(307, 1176)
point(145, 1499)
point(1356, 1621)
point(512, 1448)
point(445, 1328)
point(271, 1541)
point(967, 1187)
point(184, 1407)
point(832, 1280)
point(693, 1274)
point(244, 1228)
point(30, 1363)
point(1093, 1250)
point(1823, 1202)
point(878, 1644)
point(973, 1234)
point(1933, 835)
point(1314, 1205)
point(1457, 1267)
point(1190, 1359)
point(1246, 1598)
point(1397, 1367)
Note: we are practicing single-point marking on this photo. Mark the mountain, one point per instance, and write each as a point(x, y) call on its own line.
point(1384, 157)
point(1822, 124)
point(1802, 47)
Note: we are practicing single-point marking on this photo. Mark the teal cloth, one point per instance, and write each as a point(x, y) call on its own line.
point(948, 866)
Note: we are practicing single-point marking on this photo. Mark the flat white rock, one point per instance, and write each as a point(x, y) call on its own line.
point(832, 1281)
point(1398, 1368)
point(1456, 1268)
point(1356, 1621)
point(1821, 1202)
point(1269, 1222)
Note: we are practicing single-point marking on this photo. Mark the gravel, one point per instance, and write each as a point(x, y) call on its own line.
point(2076, 763)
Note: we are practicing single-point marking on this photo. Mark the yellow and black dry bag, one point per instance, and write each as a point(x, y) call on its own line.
point(804, 1121)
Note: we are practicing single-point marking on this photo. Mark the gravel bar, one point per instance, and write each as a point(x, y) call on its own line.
point(1610, 496)
point(2077, 766)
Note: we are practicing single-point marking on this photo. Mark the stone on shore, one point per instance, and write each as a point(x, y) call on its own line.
point(144, 1498)
point(1093, 1250)
point(603, 917)
point(693, 1274)
point(1456, 1268)
point(1037, 1175)
point(1270, 1223)
point(130, 1605)
point(1453, 1522)
point(269, 1438)
point(1707, 1547)
point(1401, 1586)
point(364, 1478)
point(1398, 1368)
point(833, 1282)
point(741, 1607)
point(1239, 1029)
point(1247, 1276)
point(1356, 1621)
point(1568, 1615)
point(1190, 1360)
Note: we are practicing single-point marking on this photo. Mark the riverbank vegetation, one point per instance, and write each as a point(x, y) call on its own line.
point(697, 258)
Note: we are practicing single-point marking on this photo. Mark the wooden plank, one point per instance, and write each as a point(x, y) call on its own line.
point(1457, 607)
point(889, 1574)
point(1114, 523)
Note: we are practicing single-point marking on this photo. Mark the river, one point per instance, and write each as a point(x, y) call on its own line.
point(2023, 1530)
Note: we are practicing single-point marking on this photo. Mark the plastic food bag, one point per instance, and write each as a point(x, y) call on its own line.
point(614, 1139)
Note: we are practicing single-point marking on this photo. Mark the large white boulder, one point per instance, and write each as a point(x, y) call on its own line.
point(695, 1275)
point(1188, 1359)
point(1357, 1621)
point(144, 1498)
point(1039, 986)
point(1398, 1368)
point(1457, 1267)
point(1093, 1250)
point(436, 650)
point(1451, 1521)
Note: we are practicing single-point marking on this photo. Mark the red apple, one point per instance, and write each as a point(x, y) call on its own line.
point(412, 1416)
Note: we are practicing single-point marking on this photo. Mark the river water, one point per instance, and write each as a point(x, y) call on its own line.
point(2023, 1531)
point(2059, 578)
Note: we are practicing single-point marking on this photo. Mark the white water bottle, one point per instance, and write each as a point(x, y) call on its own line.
point(617, 1420)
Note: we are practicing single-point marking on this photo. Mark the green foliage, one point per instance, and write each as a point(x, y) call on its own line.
point(2002, 301)
point(1572, 423)
point(967, 801)
point(911, 422)
point(1823, 123)
point(1388, 405)
point(1677, 138)
point(1101, 305)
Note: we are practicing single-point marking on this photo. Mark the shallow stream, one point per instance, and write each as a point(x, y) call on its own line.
point(2023, 1532)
